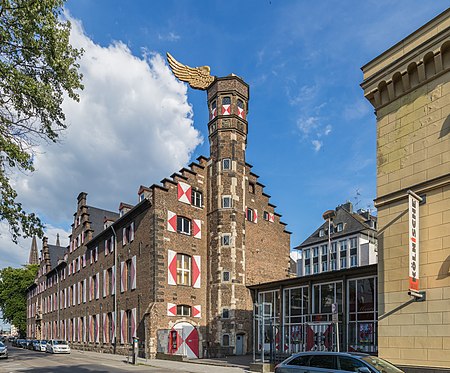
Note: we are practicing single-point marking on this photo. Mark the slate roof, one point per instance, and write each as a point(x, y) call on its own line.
point(353, 222)
point(56, 253)
point(97, 218)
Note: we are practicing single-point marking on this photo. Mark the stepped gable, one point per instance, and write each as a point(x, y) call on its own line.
point(56, 253)
point(98, 216)
point(259, 189)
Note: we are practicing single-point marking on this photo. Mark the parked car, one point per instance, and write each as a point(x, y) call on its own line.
point(3, 351)
point(58, 346)
point(42, 345)
point(335, 362)
point(30, 344)
point(22, 343)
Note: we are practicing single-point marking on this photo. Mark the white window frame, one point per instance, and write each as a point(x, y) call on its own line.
point(223, 276)
point(224, 162)
point(225, 237)
point(184, 270)
point(186, 225)
point(230, 202)
point(197, 196)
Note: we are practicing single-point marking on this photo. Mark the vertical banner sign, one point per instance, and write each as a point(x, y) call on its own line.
point(413, 243)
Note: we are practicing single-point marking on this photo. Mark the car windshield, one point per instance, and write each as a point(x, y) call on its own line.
point(382, 365)
point(1, 344)
point(43, 342)
point(59, 342)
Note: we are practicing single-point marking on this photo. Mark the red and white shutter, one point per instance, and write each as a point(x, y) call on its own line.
point(171, 309)
point(104, 328)
point(255, 216)
point(122, 277)
point(124, 236)
point(172, 267)
point(171, 221)
point(184, 192)
point(97, 329)
point(196, 265)
point(122, 326)
point(79, 263)
point(82, 237)
point(90, 329)
point(104, 283)
point(197, 311)
point(113, 327)
point(84, 260)
point(80, 330)
point(226, 109)
point(271, 217)
point(65, 298)
point(133, 272)
point(97, 289)
point(240, 112)
point(113, 280)
point(132, 232)
point(96, 253)
point(84, 290)
point(197, 228)
point(92, 257)
point(106, 247)
point(133, 323)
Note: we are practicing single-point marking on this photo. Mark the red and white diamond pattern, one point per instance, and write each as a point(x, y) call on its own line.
point(184, 192)
point(226, 109)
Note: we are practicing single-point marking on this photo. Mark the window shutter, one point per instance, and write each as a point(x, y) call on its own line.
point(97, 289)
point(124, 241)
point(196, 265)
point(133, 272)
point(96, 253)
point(84, 290)
point(106, 247)
point(90, 329)
point(132, 232)
point(171, 221)
point(122, 277)
point(79, 263)
point(133, 323)
point(65, 298)
point(255, 216)
point(80, 330)
point(271, 217)
point(97, 329)
point(104, 328)
point(92, 256)
point(197, 311)
point(122, 326)
point(104, 283)
point(171, 309)
point(172, 267)
point(184, 192)
point(113, 280)
point(197, 228)
point(113, 327)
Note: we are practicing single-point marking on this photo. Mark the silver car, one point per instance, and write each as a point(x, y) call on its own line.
point(335, 362)
point(3, 351)
point(57, 346)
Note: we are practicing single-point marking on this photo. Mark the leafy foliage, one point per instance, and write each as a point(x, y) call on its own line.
point(38, 67)
point(13, 296)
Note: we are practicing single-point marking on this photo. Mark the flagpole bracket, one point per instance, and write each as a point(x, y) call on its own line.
point(418, 296)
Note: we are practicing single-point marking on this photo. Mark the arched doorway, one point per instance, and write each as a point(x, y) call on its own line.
point(183, 340)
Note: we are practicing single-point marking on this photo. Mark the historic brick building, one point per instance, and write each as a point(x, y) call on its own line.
point(172, 270)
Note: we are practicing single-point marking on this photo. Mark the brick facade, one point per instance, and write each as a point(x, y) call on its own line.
point(172, 270)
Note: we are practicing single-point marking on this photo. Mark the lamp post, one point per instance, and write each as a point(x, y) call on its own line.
point(328, 216)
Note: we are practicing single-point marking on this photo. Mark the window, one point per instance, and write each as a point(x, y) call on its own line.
point(343, 262)
point(226, 340)
point(128, 234)
point(340, 227)
point(316, 267)
point(226, 276)
point(226, 239)
point(301, 361)
point(183, 269)
point(266, 215)
point(324, 266)
point(226, 202)
point(95, 322)
point(343, 245)
point(250, 215)
point(110, 334)
point(333, 247)
point(307, 254)
point(183, 310)
point(251, 188)
point(353, 242)
point(324, 249)
point(321, 233)
point(323, 361)
point(183, 225)
point(213, 113)
point(141, 197)
point(353, 261)
point(196, 198)
point(95, 281)
point(226, 101)
point(350, 365)
point(307, 270)
point(225, 313)
point(109, 288)
point(315, 252)
point(333, 264)
point(129, 327)
point(128, 284)
point(226, 164)
point(109, 245)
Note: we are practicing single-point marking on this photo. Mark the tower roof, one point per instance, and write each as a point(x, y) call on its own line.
point(34, 257)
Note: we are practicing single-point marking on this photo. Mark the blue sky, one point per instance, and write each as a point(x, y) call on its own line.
point(311, 132)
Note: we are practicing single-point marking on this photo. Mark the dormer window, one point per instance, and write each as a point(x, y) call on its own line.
point(340, 227)
point(321, 232)
point(251, 188)
point(141, 197)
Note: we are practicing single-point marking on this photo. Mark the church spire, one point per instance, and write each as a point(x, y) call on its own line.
point(57, 240)
point(34, 258)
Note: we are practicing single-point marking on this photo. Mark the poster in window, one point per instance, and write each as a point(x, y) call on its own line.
point(366, 333)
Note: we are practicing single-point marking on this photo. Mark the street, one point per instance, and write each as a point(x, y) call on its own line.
point(21, 360)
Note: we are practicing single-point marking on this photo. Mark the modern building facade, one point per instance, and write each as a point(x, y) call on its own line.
point(352, 237)
point(409, 87)
point(173, 269)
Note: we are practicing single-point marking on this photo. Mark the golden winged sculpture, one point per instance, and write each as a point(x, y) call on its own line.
point(197, 77)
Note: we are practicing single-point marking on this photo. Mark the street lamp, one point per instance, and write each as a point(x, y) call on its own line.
point(329, 215)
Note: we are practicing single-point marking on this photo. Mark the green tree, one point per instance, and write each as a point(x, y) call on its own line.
point(38, 68)
point(13, 294)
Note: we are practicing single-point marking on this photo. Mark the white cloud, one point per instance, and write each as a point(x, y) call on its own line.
point(307, 125)
point(171, 36)
point(357, 110)
point(317, 144)
point(132, 126)
point(303, 94)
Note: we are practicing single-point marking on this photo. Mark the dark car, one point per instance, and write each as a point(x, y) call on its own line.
point(335, 362)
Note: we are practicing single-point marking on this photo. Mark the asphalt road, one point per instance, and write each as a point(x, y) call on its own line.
point(21, 360)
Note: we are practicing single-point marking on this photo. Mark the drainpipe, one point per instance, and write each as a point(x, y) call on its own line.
point(115, 288)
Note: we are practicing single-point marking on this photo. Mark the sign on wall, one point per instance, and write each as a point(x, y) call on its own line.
point(413, 222)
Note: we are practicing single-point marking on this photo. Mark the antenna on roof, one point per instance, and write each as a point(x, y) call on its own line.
point(357, 198)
